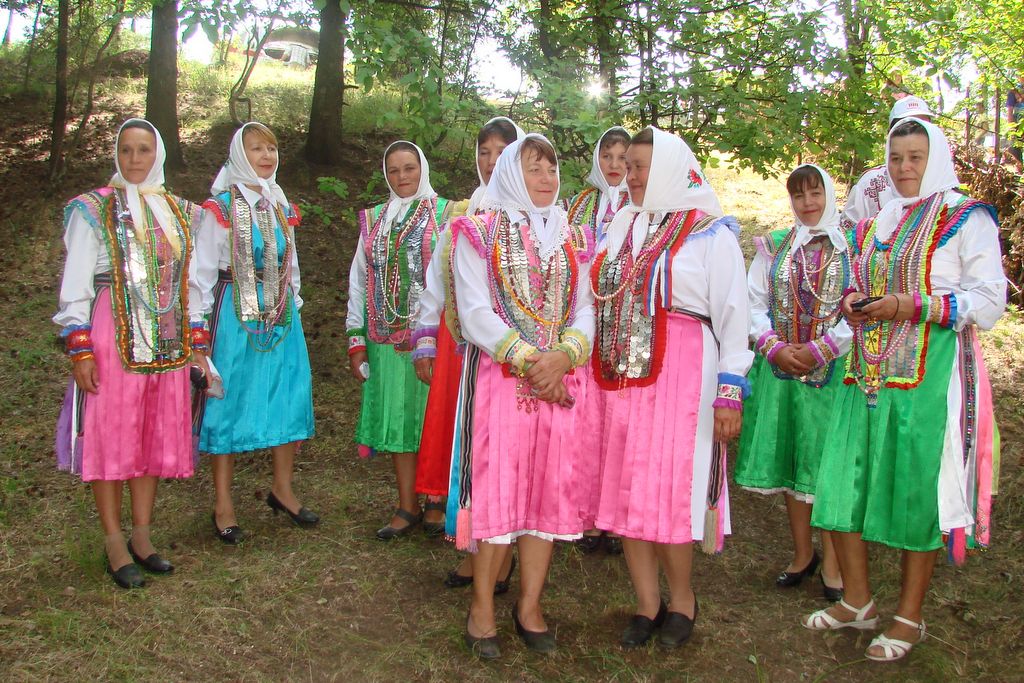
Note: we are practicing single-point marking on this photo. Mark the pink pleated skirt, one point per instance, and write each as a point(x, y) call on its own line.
point(526, 465)
point(137, 425)
point(656, 450)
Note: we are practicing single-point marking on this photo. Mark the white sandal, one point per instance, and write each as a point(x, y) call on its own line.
point(893, 648)
point(823, 621)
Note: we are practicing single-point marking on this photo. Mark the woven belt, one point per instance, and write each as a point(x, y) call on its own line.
point(225, 275)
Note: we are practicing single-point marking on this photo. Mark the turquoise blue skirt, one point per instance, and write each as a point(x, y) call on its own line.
point(268, 394)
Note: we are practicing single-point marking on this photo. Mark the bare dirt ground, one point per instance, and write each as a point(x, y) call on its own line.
point(336, 604)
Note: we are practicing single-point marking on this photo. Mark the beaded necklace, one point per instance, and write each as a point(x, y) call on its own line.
point(148, 288)
point(584, 211)
point(891, 353)
point(397, 259)
point(629, 336)
point(274, 310)
point(805, 290)
point(532, 295)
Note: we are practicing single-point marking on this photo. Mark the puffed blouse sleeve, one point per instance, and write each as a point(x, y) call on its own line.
point(84, 250)
point(211, 241)
point(976, 284)
point(757, 293)
point(481, 326)
point(355, 321)
point(432, 300)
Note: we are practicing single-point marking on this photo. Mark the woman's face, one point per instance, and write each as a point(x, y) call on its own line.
point(908, 159)
point(487, 156)
point(261, 153)
point(541, 178)
point(136, 153)
point(612, 160)
point(809, 204)
point(638, 167)
point(403, 170)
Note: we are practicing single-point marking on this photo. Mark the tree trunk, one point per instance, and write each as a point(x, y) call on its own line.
point(162, 83)
point(7, 31)
point(60, 99)
point(31, 46)
point(604, 29)
point(323, 143)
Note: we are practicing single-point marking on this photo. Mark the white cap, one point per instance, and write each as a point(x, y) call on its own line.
point(909, 106)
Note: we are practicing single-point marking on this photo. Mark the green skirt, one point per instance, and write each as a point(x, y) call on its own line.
point(391, 417)
point(879, 471)
point(784, 426)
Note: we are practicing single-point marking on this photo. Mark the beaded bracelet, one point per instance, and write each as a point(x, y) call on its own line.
point(824, 350)
point(575, 345)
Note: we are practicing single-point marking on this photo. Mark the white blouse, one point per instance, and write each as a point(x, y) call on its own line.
point(708, 278)
point(484, 328)
point(213, 254)
point(433, 297)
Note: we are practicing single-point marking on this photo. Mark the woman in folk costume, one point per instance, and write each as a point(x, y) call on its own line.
point(597, 205)
point(527, 315)
point(670, 357)
point(386, 283)
point(796, 284)
point(434, 356)
point(911, 451)
point(124, 302)
point(248, 271)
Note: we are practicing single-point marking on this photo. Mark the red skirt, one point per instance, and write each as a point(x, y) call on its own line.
point(434, 461)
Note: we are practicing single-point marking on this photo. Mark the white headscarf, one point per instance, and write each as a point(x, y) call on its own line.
point(609, 193)
point(151, 188)
point(675, 183)
point(939, 176)
point(238, 171)
point(478, 194)
point(828, 224)
point(507, 191)
point(398, 206)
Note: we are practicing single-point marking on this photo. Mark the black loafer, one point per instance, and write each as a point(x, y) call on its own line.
point(501, 586)
point(303, 518)
point(128, 576)
point(538, 641)
point(790, 579)
point(434, 529)
point(230, 535)
point(154, 563)
point(677, 628)
point(641, 628)
point(613, 545)
point(457, 580)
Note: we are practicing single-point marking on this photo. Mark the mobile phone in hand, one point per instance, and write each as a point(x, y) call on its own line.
point(861, 303)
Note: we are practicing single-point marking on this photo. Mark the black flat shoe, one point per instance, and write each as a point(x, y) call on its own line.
point(388, 532)
point(230, 535)
point(791, 579)
point(304, 518)
point(434, 529)
point(641, 628)
point(128, 576)
point(457, 580)
point(589, 545)
point(831, 594)
point(677, 628)
point(484, 648)
point(154, 563)
point(613, 545)
point(538, 641)
point(501, 586)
